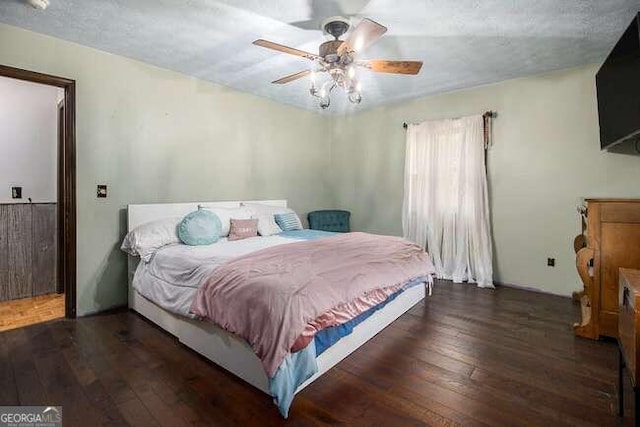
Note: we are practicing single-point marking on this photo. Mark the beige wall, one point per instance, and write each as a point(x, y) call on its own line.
point(545, 157)
point(153, 135)
point(157, 136)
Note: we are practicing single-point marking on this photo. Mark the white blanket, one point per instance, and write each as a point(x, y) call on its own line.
point(175, 272)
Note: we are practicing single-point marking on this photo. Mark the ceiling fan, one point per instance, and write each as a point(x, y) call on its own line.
point(338, 59)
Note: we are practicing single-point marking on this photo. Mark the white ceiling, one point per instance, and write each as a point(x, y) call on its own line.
point(463, 43)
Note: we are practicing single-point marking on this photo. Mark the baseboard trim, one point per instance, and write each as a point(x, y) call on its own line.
point(530, 289)
point(110, 310)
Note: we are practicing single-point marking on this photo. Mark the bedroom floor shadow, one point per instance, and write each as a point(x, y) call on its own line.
point(465, 356)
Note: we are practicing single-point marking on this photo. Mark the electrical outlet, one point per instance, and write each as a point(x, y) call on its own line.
point(16, 192)
point(101, 191)
point(551, 262)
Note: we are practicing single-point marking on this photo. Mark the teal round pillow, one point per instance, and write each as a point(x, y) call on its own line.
point(201, 227)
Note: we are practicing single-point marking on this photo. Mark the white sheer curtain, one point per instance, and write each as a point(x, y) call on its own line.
point(446, 204)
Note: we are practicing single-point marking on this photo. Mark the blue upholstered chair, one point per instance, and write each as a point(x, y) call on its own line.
point(330, 220)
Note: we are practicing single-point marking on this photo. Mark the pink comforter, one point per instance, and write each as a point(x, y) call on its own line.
point(270, 296)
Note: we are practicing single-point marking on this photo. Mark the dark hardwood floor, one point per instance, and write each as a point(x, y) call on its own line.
point(465, 356)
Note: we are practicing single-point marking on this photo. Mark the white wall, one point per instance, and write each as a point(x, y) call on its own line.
point(546, 156)
point(154, 135)
point(28, 140)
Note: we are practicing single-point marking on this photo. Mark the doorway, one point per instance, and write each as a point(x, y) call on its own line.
point(63, 219)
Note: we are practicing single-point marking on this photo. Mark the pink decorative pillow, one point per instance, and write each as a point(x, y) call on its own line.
point(243, 229)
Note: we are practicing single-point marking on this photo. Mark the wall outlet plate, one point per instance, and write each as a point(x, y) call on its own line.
point(101, 191)
point(16, 192)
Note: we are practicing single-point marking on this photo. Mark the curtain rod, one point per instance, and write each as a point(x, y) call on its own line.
point(489, 114)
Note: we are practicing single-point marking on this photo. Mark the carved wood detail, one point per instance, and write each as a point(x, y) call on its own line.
point(585, 328)
point(579, 242)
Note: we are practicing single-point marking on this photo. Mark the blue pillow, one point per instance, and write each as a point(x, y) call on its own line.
point(288, 221)
point(201, 227)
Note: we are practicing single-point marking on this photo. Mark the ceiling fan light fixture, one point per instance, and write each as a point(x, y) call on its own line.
point(312, 79)
point(355, 97)
point(335, 26)
point(337, 60)
point(325, 102)
point(39, 4)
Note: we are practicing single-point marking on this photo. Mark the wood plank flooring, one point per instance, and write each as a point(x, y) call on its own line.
point(465, 356)
point(28, 311)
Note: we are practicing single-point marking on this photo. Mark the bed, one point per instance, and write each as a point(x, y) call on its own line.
point(228, 350)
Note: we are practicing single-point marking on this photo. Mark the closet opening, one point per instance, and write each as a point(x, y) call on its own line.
point(38, 201)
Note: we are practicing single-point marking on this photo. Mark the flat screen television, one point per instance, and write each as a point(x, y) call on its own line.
point(618, 88)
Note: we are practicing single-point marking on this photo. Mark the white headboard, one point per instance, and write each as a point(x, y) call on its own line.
point(139, 214)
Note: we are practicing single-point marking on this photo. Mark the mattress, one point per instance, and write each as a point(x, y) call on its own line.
point(172, 277)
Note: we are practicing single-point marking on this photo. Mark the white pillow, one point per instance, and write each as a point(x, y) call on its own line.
point(267, 225)
point(146, 239)
point(226, 215)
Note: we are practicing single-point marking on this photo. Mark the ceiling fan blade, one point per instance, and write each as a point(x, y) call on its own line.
point(291, 77)
point(395, 67)
point(309, 24)
point(366, 33)
point(285, 49)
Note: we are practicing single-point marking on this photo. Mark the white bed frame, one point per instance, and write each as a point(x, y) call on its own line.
point(226, 349)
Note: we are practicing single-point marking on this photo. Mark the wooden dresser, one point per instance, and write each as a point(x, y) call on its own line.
point(629, 336)
point(610, 240)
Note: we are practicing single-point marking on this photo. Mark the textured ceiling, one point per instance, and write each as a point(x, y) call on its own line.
point(463, 43)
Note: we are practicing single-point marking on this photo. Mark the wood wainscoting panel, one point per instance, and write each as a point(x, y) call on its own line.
point(20, 243)
point(28, 250)
point(4, 253)
point(45, 248)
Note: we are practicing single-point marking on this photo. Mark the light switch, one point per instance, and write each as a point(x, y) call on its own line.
point(16, 192)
